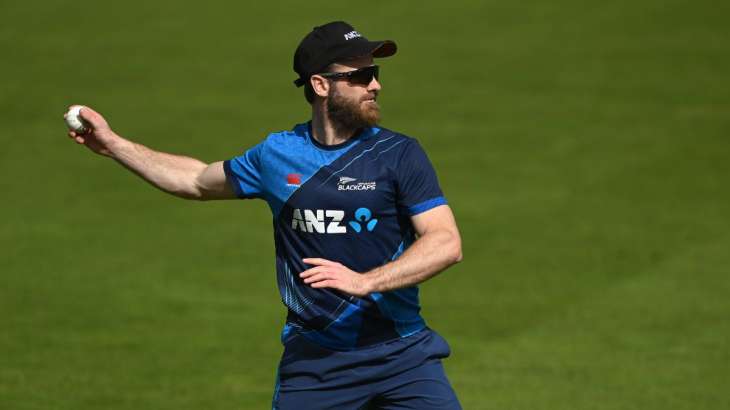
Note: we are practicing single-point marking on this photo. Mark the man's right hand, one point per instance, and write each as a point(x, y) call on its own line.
point(99, 137)
point(178, 175)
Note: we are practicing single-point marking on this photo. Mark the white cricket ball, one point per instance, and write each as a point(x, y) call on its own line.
point(74, 121)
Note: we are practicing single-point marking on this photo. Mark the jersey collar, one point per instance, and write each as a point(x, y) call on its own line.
point(305, 130)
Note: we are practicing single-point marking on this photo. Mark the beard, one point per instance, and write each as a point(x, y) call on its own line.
point(350, 114)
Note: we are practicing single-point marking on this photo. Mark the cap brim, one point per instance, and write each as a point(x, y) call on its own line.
point(384, 48)
point(377, 49)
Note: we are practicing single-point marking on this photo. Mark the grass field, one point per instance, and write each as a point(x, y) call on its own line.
point(584, 148)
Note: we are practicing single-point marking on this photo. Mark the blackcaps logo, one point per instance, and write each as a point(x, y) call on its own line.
point(348, 184)
point(363, 216)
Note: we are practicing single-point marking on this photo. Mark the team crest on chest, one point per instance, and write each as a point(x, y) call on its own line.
point(352, 184)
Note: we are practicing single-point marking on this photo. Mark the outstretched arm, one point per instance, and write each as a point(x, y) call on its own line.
point(181, 176)
point(438, 246)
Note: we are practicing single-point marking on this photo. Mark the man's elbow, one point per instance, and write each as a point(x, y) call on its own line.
point(455, 254)
point(458, 255)
point(197, 190)
point(191, 190)
point(187, 194)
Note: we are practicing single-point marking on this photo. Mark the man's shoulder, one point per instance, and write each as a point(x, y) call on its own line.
point(389, 133)
point(397, 141)
point(396, 136)
point(278, 140)
point(286, 137)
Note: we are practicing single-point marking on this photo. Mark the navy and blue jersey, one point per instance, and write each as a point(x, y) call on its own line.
point(350, 203)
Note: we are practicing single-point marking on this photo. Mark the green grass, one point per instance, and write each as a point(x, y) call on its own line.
point(583, 147)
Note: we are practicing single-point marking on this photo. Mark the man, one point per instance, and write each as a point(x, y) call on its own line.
point(359, 221)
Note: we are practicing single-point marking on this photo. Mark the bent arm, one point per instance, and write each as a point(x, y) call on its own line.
point(178, 175)
point(438, 246)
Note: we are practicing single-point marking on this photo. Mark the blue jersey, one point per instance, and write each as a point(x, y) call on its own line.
point(350, 203)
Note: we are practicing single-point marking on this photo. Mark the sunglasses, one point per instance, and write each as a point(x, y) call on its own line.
point(361, 76)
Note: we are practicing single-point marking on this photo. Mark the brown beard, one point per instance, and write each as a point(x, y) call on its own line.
point(349, 115)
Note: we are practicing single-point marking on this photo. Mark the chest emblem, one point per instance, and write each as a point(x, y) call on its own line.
point(351, 184)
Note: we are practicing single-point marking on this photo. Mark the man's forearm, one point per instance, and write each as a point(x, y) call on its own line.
point(437, 248)
point(428, 256)
point(174, 174)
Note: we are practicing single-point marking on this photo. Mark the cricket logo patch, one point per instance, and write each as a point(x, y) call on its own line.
point(294, 180)
point(351, 184)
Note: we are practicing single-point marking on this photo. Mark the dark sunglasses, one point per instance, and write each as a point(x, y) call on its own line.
point(361, 76)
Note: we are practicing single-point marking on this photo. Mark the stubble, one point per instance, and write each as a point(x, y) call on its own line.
point(349, 114)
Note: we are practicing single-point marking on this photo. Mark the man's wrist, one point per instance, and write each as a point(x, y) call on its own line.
point(117, 145)
point(371, 281)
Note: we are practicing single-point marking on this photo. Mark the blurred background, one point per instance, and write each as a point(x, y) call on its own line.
point(583, 146)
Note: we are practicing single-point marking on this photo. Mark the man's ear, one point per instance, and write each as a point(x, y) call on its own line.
point(320, 85)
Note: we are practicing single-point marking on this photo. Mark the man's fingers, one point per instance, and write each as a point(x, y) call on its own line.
point(92, 117)
point(319, 261)
point(317, 278)
point(311, 271)
point(325, 284)
point(89, 115)
point(76, 137)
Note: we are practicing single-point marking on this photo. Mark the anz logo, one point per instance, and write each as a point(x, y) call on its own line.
point(314, 221)
point(328, 221)
point(364, 217)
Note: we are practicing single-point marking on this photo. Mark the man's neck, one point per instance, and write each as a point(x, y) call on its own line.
point(327, 132)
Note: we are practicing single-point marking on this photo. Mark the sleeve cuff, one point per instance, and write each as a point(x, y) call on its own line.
point(231, 179)
point(426, 205)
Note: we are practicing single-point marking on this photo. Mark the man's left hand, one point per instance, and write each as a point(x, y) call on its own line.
point(329, 274)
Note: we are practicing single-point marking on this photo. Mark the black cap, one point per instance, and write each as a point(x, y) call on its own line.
point(334, 42)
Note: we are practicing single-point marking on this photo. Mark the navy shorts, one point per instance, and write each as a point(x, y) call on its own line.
point(401, 374)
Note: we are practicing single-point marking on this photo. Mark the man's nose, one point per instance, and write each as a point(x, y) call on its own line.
point(374, 85)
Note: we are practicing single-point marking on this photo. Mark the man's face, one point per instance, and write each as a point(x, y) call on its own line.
point(353, 105)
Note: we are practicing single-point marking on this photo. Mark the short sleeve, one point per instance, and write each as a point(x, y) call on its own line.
point(244, 173)
point(418, 187)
